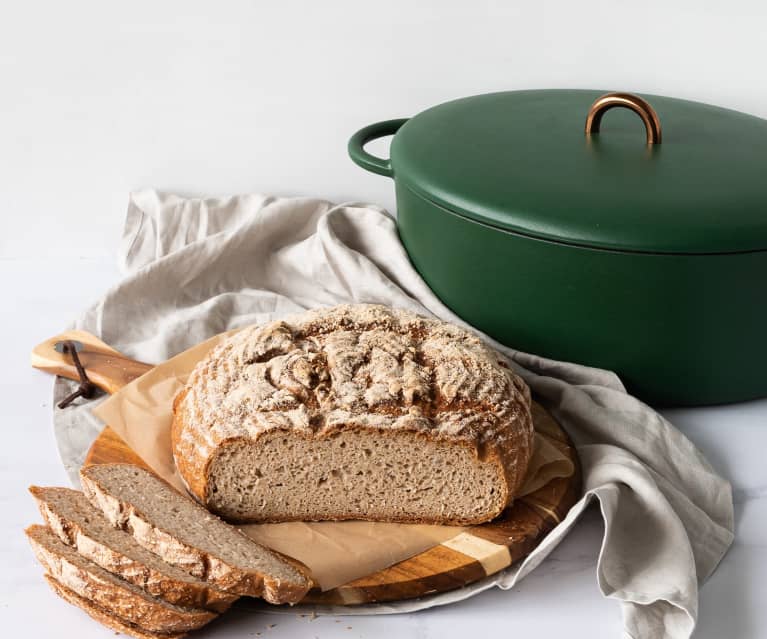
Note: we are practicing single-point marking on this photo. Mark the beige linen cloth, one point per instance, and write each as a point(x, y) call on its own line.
point(198, 267)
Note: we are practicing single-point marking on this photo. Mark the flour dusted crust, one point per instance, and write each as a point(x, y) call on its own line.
point(362, 367)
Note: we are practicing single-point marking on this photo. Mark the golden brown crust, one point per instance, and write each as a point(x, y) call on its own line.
point(103, 616)
point(359, 366)
point(143, 611)
point(192, 466)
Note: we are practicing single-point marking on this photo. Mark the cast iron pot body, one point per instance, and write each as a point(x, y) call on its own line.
point(648, 260)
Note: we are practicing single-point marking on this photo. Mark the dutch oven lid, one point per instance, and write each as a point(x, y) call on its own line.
point(521, 161)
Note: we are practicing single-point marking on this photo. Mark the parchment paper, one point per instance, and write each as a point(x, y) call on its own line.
point(335, 552)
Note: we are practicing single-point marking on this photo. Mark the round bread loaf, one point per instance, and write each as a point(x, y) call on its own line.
point(353, 412)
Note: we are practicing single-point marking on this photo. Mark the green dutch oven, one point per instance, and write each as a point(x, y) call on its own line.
point(643, 252)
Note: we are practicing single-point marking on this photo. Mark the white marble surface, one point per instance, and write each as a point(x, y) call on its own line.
point(560, 599)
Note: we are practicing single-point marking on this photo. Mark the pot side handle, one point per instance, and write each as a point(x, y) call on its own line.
point(361, 157)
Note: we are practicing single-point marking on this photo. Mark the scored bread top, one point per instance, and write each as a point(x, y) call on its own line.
point(353, 366)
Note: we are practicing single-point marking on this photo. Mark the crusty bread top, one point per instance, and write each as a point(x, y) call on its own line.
point(359, 366)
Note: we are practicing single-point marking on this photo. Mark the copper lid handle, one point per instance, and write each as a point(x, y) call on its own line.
point(628, 101)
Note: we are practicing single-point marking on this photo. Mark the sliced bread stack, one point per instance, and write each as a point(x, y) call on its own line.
point(143, 559)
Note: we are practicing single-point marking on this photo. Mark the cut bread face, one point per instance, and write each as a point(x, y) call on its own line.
point(186, 535)
point(355, 474)
point(78, 523)
point(122, 599)
point(105, 617)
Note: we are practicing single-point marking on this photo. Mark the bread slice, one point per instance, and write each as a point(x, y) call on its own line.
point(186, 535)
point(124, 600)
point(73, 518)
point(103, 616)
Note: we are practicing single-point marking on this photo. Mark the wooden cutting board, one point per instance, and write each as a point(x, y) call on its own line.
point(470, 556)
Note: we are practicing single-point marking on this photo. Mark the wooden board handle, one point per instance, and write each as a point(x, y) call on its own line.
point(107, 368)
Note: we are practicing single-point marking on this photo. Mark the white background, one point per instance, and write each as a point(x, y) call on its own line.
point(99, 98)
